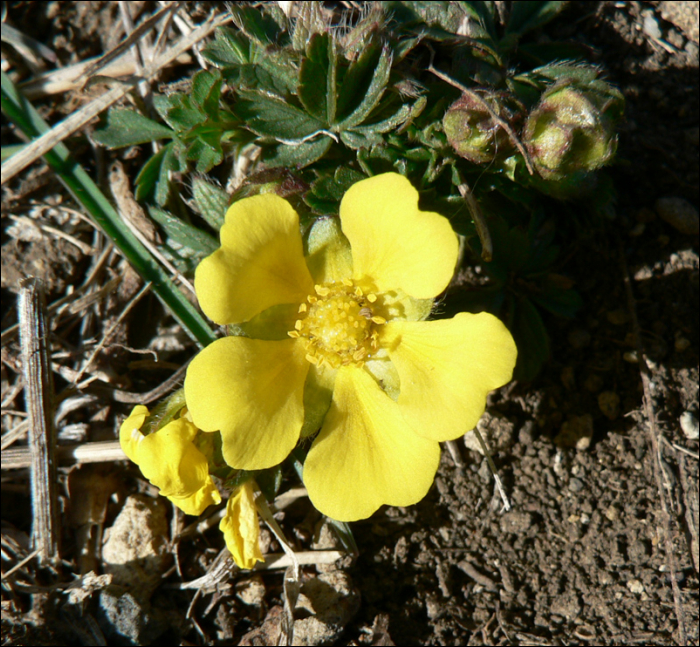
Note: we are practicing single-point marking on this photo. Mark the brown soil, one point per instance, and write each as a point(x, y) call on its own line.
point(603, 487)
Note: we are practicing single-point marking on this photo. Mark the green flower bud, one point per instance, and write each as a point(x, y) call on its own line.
point(572, 130)
point(471, 130)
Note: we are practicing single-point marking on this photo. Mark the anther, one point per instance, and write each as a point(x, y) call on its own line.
point(378, 320)
point(371, 297)
point(303, 307)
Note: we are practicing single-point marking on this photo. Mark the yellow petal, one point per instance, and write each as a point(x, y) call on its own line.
point(130, 431)
point(252, 391)
point(169, 460)
point(446, 369)
point(241, 529)
point(394, 243)
point(260, 262)
point(365, 454)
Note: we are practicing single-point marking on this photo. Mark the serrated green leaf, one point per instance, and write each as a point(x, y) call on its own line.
point(272, 117)
point(229, 47)
point(207, 154)
point(256, 25)
point(297, 155)
point(528, 15)
point(357, 141)
point(390, 123)
point(152, 181)
point(355, 79)
point(211, 201)
point(206, 91)
point(128, 128)
point(179, 112)
point(317, 79)
point(354, 82)
point(200, 242)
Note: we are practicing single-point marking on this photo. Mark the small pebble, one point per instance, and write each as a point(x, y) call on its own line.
point(679, 213)
point(630, 356)
point(635, 586)
point(689, 425)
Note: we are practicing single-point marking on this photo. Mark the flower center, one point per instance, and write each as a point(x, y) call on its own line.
point(337, 325)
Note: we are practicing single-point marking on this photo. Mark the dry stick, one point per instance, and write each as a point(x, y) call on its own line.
point(653, 434)
point(482, 229)
point(34, 333)
point(79, 118)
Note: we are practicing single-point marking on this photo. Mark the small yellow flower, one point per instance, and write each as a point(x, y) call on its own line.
point(169, 460)
point(336, 340)
point(241, 529)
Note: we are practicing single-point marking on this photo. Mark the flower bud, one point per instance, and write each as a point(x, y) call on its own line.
point(471, 130)
point(572, 130)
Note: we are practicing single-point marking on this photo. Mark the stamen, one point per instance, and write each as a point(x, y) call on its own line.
point(378, 320)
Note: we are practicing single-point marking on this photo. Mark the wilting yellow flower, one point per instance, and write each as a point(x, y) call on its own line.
point(336, 340)
point(240, 527)
point(169, 460)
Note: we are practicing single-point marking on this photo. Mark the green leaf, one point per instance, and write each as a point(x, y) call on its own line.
point(179, 111)
point(200, 242)
point(206, 91)
point(297, 155)
point(531, 338)
point(152, 181)
point(229, 47)
point(128, 128)
point(255, 24)
point(317, 78)
point(211, 202)
point(355, 80)
point(390, 123)
point(269, 116)
point(527, 15)
point(358, 141)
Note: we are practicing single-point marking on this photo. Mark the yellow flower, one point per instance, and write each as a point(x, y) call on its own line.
point(240, 527)
point(336, 340)
point(169, 460)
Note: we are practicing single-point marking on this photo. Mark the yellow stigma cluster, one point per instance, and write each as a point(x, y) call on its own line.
point(336, 325)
